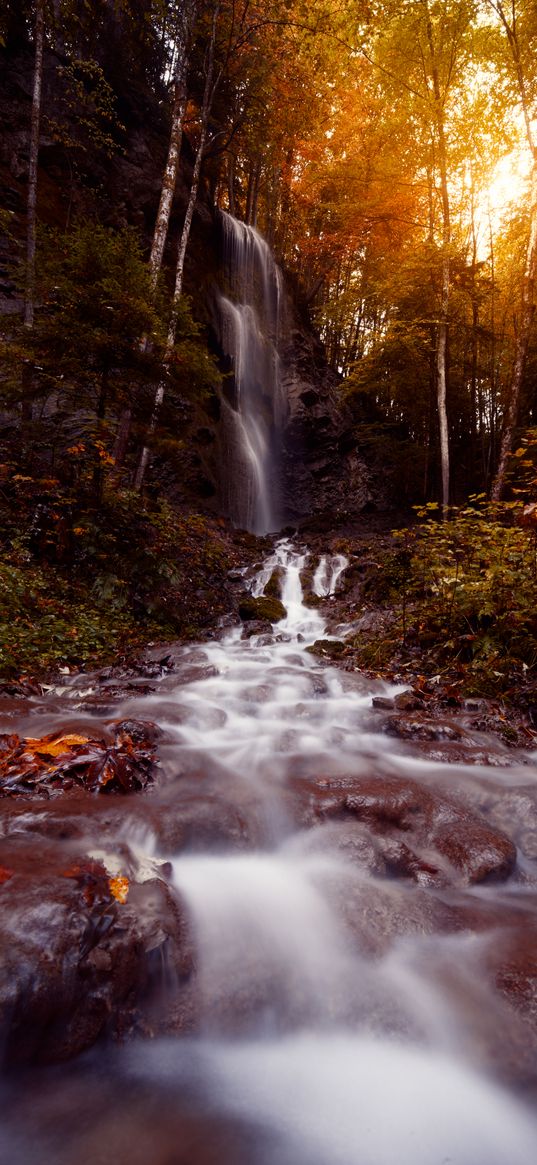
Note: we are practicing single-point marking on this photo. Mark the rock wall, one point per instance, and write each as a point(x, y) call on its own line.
point(323, 471)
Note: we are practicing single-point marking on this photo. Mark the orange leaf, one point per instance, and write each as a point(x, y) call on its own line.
point(119, 889)
point(57, 746)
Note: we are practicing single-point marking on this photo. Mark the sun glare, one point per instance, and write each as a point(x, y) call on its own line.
point(506, 190)
point(509, 182)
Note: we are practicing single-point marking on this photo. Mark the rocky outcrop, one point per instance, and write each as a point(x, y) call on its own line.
point(323, 471)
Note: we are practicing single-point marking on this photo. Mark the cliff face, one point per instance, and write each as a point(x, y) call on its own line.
point(323, 471)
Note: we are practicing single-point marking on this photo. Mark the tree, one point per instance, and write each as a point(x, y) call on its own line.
point(511, 30)
point(39, 39)
point(208, 95)
point(95, 301)
point(185, 22)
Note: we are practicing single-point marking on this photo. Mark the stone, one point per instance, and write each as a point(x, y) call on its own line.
point(383, 703)
point(408, 702)
point(261, 608)
point(256, 627)
point(421, 728)
point(75, 961)
point(332, 648)
point(436, 838)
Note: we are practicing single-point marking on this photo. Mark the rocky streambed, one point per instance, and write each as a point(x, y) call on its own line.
point(271, 922)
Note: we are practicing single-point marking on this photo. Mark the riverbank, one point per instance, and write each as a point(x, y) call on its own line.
point(73, 598)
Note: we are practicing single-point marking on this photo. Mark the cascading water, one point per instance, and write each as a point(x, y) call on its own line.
point(328, 574)
point(343, 1015)
point(253, 403)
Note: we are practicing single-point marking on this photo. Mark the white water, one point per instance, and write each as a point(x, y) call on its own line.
point(338, 1023)
point(328, 574)
point(253, 413)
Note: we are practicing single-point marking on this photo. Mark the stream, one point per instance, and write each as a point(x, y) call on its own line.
point(363, 944)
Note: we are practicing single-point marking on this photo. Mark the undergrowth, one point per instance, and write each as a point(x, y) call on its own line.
point(81, 586)
point(464, 595)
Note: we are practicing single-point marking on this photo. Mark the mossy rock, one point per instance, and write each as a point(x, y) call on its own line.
point(261, 608)
point(306, 578)
point(273, 588)
point(330, 647)
point(312, 601)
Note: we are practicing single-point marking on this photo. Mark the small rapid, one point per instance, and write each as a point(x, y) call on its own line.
point(349, 996)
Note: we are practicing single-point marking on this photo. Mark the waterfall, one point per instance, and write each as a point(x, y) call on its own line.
point(253, 404)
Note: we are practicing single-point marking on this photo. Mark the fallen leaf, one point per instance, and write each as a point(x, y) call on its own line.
point(119, 889)
point(56, 746)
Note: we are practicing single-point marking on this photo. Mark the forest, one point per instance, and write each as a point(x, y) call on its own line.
point(385, 152)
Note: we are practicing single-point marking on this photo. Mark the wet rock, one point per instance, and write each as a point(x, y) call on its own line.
point(514, 965)
point(261, 608)
point(77, 957)
point(421, 728)
point(19, 688)
point(440, 836)
point(198, 822)
point(330, 648)
point(142, 669)
point(256, 627)
point(379, 911)
point(273, 588)
point(136, 732)
point(194, 673)
point(408, 702)
point(358, 846)
point(401, 862)
point(383, 703)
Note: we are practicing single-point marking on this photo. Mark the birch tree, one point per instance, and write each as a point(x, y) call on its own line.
point(186, 20)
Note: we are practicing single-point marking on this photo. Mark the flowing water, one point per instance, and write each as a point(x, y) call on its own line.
point(343, 1016)
point(253, 403)
point(328, 574)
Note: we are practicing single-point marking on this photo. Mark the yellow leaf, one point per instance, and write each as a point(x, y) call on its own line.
point(119, 889)
point(57, 746)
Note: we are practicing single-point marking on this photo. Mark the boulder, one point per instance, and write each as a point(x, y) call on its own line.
point(261, 608)
point(425, 835)
point(80, 949)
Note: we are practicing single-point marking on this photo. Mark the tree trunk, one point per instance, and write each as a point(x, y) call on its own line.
point(162, 222)
point(32, 170)
point(183, 244)
point(122, 437)
point(188, 15)
point(231, 184)
point(441, 349)
point(530, 268)
point(98, 469)
point(521, 345)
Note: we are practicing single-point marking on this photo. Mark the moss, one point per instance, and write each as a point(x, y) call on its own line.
point(328, 647)
point(273, 588)
point(261, 608)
